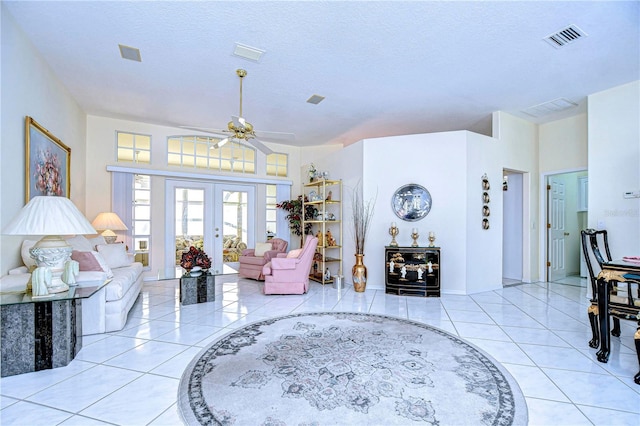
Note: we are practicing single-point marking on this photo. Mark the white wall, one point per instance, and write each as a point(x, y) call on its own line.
point(29, 88)
point(563, 144)
point(614, 166)
point(447, 165)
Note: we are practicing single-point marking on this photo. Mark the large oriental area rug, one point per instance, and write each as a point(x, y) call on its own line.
point(347, 369)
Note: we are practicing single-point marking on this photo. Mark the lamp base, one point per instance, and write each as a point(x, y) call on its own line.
point(53, 252)
point(110, 239)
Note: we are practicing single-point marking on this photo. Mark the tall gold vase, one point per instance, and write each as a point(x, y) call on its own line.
point(359, 273)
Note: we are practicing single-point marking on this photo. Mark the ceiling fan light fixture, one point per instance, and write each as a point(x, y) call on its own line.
point(248, 52)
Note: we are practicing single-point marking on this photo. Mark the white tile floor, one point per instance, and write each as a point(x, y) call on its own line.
point(539, 332)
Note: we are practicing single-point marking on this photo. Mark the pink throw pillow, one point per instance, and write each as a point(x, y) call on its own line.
point(87, 260)
point(294, 253)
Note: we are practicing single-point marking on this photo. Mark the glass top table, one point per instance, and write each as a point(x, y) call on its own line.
point(84, 290)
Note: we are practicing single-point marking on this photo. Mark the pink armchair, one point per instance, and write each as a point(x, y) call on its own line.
point(251, 265)
point(289, 274)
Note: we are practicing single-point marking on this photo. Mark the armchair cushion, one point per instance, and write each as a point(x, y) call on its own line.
point(261, 249)
point(114, 254)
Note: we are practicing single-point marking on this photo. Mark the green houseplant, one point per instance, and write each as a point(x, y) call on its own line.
point(294, 215)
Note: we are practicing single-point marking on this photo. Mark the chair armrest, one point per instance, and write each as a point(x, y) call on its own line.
point(270, 254)
point(282, 255)
point(248, 252)
point(19, 270)
point(284, 263)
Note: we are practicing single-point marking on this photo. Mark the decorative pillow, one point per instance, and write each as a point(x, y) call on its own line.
point(103, 264)
point(87, 260)
point(294, 253)
point(28, 261)
point(114, 254)
point(96, 241)
point(261, 249)
point(80, 243)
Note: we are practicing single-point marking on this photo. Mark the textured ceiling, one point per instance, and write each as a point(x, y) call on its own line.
point(385, 68)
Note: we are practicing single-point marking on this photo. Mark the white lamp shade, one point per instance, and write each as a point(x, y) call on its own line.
point(108, 221)
point(48, 215)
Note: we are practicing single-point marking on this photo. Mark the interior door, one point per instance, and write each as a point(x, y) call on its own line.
point(556, 217)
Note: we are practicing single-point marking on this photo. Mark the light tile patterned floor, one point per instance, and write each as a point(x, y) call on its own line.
point(539, 332)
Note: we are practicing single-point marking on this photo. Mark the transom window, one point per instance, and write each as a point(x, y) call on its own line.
point(202, 152)
point(277, 164)
point(133, 147)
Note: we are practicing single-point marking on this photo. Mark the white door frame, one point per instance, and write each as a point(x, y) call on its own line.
point(542, 228)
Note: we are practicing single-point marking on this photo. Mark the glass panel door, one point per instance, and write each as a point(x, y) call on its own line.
point(236, 220)
point(218, 218)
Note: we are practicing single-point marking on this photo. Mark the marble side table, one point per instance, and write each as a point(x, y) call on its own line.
point(43, 333)
point(197, 289)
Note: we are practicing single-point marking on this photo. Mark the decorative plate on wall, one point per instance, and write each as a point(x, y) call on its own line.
point(411, 202)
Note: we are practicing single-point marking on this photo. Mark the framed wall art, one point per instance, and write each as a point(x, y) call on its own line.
point(48, 163)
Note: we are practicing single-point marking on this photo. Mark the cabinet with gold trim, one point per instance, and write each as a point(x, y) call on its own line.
point(412, 271)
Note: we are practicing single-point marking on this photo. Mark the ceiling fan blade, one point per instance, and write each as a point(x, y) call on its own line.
point(262, 147)
point(276, 136)
point(239, 122)
point(218, 132)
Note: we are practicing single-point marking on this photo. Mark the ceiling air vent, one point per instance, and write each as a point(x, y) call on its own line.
point(131, 53)
point(315, 99)
point(551, 107)
point(565, 36)
point(248, 52)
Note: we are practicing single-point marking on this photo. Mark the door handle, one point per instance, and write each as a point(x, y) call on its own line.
point(566, 234)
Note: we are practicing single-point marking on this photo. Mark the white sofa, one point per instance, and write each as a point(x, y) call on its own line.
point(106, 310)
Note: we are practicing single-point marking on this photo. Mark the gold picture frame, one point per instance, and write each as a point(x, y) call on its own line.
point(48, 163)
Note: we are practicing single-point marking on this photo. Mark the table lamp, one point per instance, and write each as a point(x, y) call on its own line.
point(109, 222)
point(52, 217)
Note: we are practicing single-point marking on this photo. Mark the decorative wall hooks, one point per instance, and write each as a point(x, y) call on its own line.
point(485, 200)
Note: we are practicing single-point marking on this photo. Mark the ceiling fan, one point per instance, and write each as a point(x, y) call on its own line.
point(240, 129)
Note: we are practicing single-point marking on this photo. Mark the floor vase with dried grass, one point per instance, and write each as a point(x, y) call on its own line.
point(359, 273)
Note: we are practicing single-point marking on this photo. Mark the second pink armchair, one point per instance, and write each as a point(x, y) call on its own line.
point(289, 273)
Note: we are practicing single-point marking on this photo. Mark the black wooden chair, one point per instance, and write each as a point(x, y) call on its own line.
point(622, 291)
point(591, 249)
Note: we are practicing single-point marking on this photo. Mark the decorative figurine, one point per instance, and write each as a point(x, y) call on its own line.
point(393, 231)
point(329, 195)
point(40, 280)
point(391, 264)
point(420, 272)
point(327, 275)
point(320, 239)
point(403, 271)
point(430, 267)
point(71, 270)
point(330, 240)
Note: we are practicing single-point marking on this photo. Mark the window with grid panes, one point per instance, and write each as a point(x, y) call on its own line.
point(277, 164)
point(271, 211)
point(133, 148)
point(141, 216)
point(203, 152)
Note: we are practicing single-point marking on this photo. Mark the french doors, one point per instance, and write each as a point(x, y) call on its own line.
point(217, 217)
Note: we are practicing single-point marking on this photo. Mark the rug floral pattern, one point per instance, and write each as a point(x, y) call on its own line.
point(346, 368)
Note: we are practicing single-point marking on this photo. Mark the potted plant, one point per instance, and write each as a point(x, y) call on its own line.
point(361, 214)
point(294, 215)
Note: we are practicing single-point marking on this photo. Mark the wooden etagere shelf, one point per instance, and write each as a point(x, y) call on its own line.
point(326, 197)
